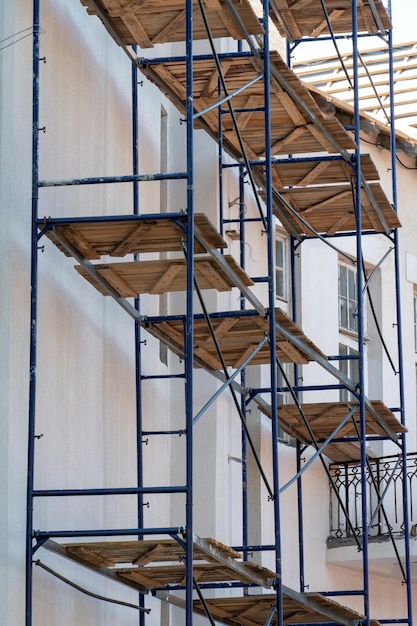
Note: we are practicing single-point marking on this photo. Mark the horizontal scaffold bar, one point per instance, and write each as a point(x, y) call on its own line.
point(51, 493)
point(57, 221)
point(102, 180)
point(110, 532)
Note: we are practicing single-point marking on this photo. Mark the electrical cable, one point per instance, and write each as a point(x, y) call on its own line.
point(232, 114)
point(316, 445)
point(376, 487)
point(329, 25)
point(89, 593)
point(377, 326)
point(226, 374)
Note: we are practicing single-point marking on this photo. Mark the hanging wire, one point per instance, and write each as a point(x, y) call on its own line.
point(226, 374)
point(376, 487)
point(89, 593)
point(232, 114)
point(316, 446)
point(28, 32)
point(373, 86)
point(329, 25)
point(372, 307)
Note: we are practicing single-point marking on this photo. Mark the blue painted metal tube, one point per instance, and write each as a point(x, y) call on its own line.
point(147, 433)
point(33, 314)
point(256, 390)
point(317, 452)
point(228, 382)
point(405, 487)
point(242, 220)
point(200, 316)
point(360, 317)
point(271, 616)
point(137, 327)
point(244, 443)
point(97, 219)
point(227, 98)
point(162, 376)
point(301, 559)
point(278, 160)
point(189, 321)
point(107, 532)
point(220, 163)
point(197, 57)
point(350, 592)
point(271, 303)
point(103, 180)
point(122, 491)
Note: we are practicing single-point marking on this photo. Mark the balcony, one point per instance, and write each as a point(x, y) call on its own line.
point(385, 520)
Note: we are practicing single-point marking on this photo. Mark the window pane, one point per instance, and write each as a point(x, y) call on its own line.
point(279, 253)
point(352, 316)
point(342, 280)
point(352, 284)
point(343, 313)
point(279, 282)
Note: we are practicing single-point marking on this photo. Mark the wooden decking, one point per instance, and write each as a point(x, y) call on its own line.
point(330, 209)
point(237, 335)
point(93, 238)
point(158, 564)
point(254, 610)
point(157, 277)
point(160, 21)
point(318, 171)
point(292, 129)
point(325, 417)
point(305, 18)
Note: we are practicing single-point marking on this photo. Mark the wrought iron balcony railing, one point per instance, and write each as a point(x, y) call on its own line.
point(384, 493)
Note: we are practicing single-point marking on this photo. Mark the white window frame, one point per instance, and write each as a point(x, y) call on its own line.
point(349, 367)
point(281, 267)
point(347, 298)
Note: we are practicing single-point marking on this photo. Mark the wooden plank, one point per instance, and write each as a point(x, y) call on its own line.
point(322, 27)
point(165, 281)
point(214, 277)
point(136, 235)
point(301, 18)
point(148, 23)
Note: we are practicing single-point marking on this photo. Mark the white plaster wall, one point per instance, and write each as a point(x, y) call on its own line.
point(86, 396)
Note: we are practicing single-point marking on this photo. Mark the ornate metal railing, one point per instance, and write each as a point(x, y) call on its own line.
point(384, 478)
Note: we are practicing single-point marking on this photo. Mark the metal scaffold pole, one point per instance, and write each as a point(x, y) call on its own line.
point(360, 311)
point(405, 485)
point(33, 313)
point(189, 321)
point(270, 220)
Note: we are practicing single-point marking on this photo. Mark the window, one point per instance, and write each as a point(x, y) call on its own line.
point(280, 267)
point(348, 303)
point(349, 367)
point(282, 399)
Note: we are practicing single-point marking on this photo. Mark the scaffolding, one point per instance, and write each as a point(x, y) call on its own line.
point(306, 170)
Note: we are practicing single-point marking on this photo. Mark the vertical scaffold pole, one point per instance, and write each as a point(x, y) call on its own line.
point(33, 312)
point(189, 321)
point(271, 306)
point(406, 519)
point(360, 311)
point(298, 443)
point(242, 239)
point(138, 355)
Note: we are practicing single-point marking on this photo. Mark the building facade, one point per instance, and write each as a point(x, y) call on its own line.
point(116, 426)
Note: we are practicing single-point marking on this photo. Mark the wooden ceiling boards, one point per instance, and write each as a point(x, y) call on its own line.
point(162, 21)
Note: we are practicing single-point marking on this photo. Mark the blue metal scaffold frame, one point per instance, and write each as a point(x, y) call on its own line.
point(184, 534)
